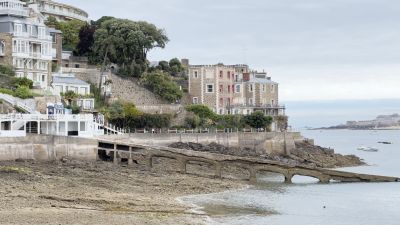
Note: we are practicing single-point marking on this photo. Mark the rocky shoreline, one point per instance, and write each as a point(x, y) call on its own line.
point(304, 154)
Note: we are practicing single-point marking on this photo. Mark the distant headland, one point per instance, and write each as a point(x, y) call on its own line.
point(381, 122)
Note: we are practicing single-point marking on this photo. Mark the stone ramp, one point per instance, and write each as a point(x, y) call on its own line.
point(253, 165)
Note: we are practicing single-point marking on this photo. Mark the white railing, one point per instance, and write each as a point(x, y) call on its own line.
point(17, 12)
point(45, 117)
point(63, 13)
point(13, 101)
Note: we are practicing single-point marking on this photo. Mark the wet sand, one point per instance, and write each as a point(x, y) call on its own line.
point(74, 192)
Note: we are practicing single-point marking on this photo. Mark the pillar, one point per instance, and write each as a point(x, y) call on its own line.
point(218, 170)
point(79, 127)
point(130, 161)
point(66, 128)
point(38, 127)
point(149, 162)
point(115, 160)
point(182, 165)
point(253, 175)
point(288, 178)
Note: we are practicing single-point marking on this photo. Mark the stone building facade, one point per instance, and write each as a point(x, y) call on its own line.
point(233, 89)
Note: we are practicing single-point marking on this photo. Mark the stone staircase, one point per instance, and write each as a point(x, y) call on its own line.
point(27, 105)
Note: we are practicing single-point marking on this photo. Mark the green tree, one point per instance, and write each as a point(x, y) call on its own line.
point(86, 40)
point(51, 21)
point(175, 67)
point(70, 96)
point(70, 31)
point(258, 120)
point(127, 44)
point(23, 82)
point(204, 112)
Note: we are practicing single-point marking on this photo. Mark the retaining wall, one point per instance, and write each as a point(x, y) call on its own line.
point(46, 148)
point(273, 143)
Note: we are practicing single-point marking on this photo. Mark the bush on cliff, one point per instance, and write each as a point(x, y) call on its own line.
point(161, 84)
point(258, 120)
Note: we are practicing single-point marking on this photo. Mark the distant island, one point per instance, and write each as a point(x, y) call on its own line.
point(382, 122)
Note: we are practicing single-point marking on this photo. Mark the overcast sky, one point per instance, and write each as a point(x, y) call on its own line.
point(315, 49)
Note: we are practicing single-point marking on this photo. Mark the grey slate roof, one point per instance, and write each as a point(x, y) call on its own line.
point(68, 80)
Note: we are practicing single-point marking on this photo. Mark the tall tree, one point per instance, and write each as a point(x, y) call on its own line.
point(70, 31)
point(86, 40)
point(127, 43)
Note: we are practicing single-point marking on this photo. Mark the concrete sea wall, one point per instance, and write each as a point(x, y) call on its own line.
point(47, 148)
point(273, 143)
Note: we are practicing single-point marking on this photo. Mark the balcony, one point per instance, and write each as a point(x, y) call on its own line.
point(13, 7)
point(63, 13)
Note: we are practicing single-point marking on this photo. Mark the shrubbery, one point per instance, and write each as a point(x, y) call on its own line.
point(161, 84)
point(21, 92)
point(7, 70)
point(23, 82)
point(126, 115)
point(205, 117)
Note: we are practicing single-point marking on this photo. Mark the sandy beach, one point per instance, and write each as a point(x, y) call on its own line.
point(74, 192)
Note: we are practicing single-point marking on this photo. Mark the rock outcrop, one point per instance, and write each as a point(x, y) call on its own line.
point(303, 154)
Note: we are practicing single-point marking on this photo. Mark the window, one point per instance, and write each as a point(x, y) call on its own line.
point(210, 88)
point(272, 102)
point(273, 89)
point(31, 30)
point(53, 38)
point(229, 89)
point(195, 100)
point(250, 101)
point(251, 87)
point(221, 102)
point(263, 87)
point(77, 65)
point(195, 75)
point(43, 78)
point(221, 88)
point(41, 32)
point(229, 75)
point(221, 74)
point(17, 28)
point(82, 126)
point(238, 88)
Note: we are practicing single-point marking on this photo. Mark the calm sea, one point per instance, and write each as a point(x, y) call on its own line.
point(307, 202)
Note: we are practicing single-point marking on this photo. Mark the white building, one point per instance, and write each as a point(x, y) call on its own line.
point(25, 42)
point(55, 122)
point(60, 11)
point(63, 83)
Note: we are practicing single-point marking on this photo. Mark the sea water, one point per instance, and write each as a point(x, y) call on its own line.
point(308, 202)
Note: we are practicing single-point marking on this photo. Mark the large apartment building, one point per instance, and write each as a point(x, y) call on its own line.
point(25, 42)
point(60, 11)
point(233, 89)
